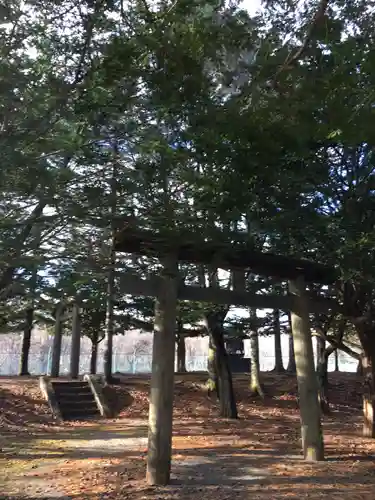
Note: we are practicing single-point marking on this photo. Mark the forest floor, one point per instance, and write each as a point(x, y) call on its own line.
point(255, 457)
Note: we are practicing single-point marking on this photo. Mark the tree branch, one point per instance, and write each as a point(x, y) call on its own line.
point(292, 59)
point(149, 327)
point(339, 345)
point(102, 338)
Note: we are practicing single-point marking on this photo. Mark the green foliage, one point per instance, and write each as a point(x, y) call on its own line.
point(203, 118)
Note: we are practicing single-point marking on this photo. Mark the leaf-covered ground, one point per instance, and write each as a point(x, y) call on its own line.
point(256, 457)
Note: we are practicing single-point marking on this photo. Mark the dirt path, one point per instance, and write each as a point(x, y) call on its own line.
point(254, 458)
point(106, 460)
point(34, 465)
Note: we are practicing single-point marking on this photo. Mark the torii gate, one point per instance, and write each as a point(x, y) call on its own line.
point(172, 247)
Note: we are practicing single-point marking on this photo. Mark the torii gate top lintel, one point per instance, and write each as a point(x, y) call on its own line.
point(240, 254)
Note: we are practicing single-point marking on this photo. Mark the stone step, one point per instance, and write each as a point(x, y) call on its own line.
point(73, 394)
point(78, 405)
point(79, 388)
point(70, 384)
point(80, 414)
point(75, 400)
point(70, 388)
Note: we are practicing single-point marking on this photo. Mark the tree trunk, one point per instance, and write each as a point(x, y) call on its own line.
point(337, 368)
point(320, 350)
point(94, 356)
point(360, 370)
point(279, 366)
point(211, 367)
point(291, 368)
point(26, 341)
point(368, 364)
point(228, 407)
point(57, 339)
point(224, 382)
point(366, 334)
point(162, 378)
point(181, 354)
point(109, 321)
point(311, 430)
point(29, 313)
point(109, 317)
point(322, 374)
point(76, 343)
point(255, 385)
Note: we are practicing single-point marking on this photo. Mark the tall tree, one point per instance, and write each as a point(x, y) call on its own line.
point(255, 383)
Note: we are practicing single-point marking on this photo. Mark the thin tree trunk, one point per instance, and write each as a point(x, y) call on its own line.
point(181, 354)
point(228, 407)
point(109, 325)
point(366, 334)
point(255, 384)
point(337, 368)
point(94, 354)
point(320, 349)
point(57, 339)
point(323, 354)
point(212, 380)
point(279, 366)
point(368, 363)
point(227, 400)
point(360, 370)
point(311, 430)
point(26, 341)
point(322, 373)
point(29, 315)
point(75, 343)
point(162, 378)
point(223, 382)
point(109, 319)
point(211, 367)
point(291, 368)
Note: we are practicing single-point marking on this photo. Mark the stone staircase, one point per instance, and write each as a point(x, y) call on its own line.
point(75, 400)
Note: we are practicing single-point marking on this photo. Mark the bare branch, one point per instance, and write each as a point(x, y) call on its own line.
point(338, 345)
point(292, 59)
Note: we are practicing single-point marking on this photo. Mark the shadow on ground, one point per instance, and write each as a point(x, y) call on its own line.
point(256, 457)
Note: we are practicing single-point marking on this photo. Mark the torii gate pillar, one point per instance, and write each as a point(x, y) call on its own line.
point(311, 430)
point(162, 377)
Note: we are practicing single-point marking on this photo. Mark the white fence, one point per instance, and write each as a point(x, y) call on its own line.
point(122, 362)
point(132, 354)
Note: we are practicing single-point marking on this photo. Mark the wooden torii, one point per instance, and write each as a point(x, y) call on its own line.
point(171, 247)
